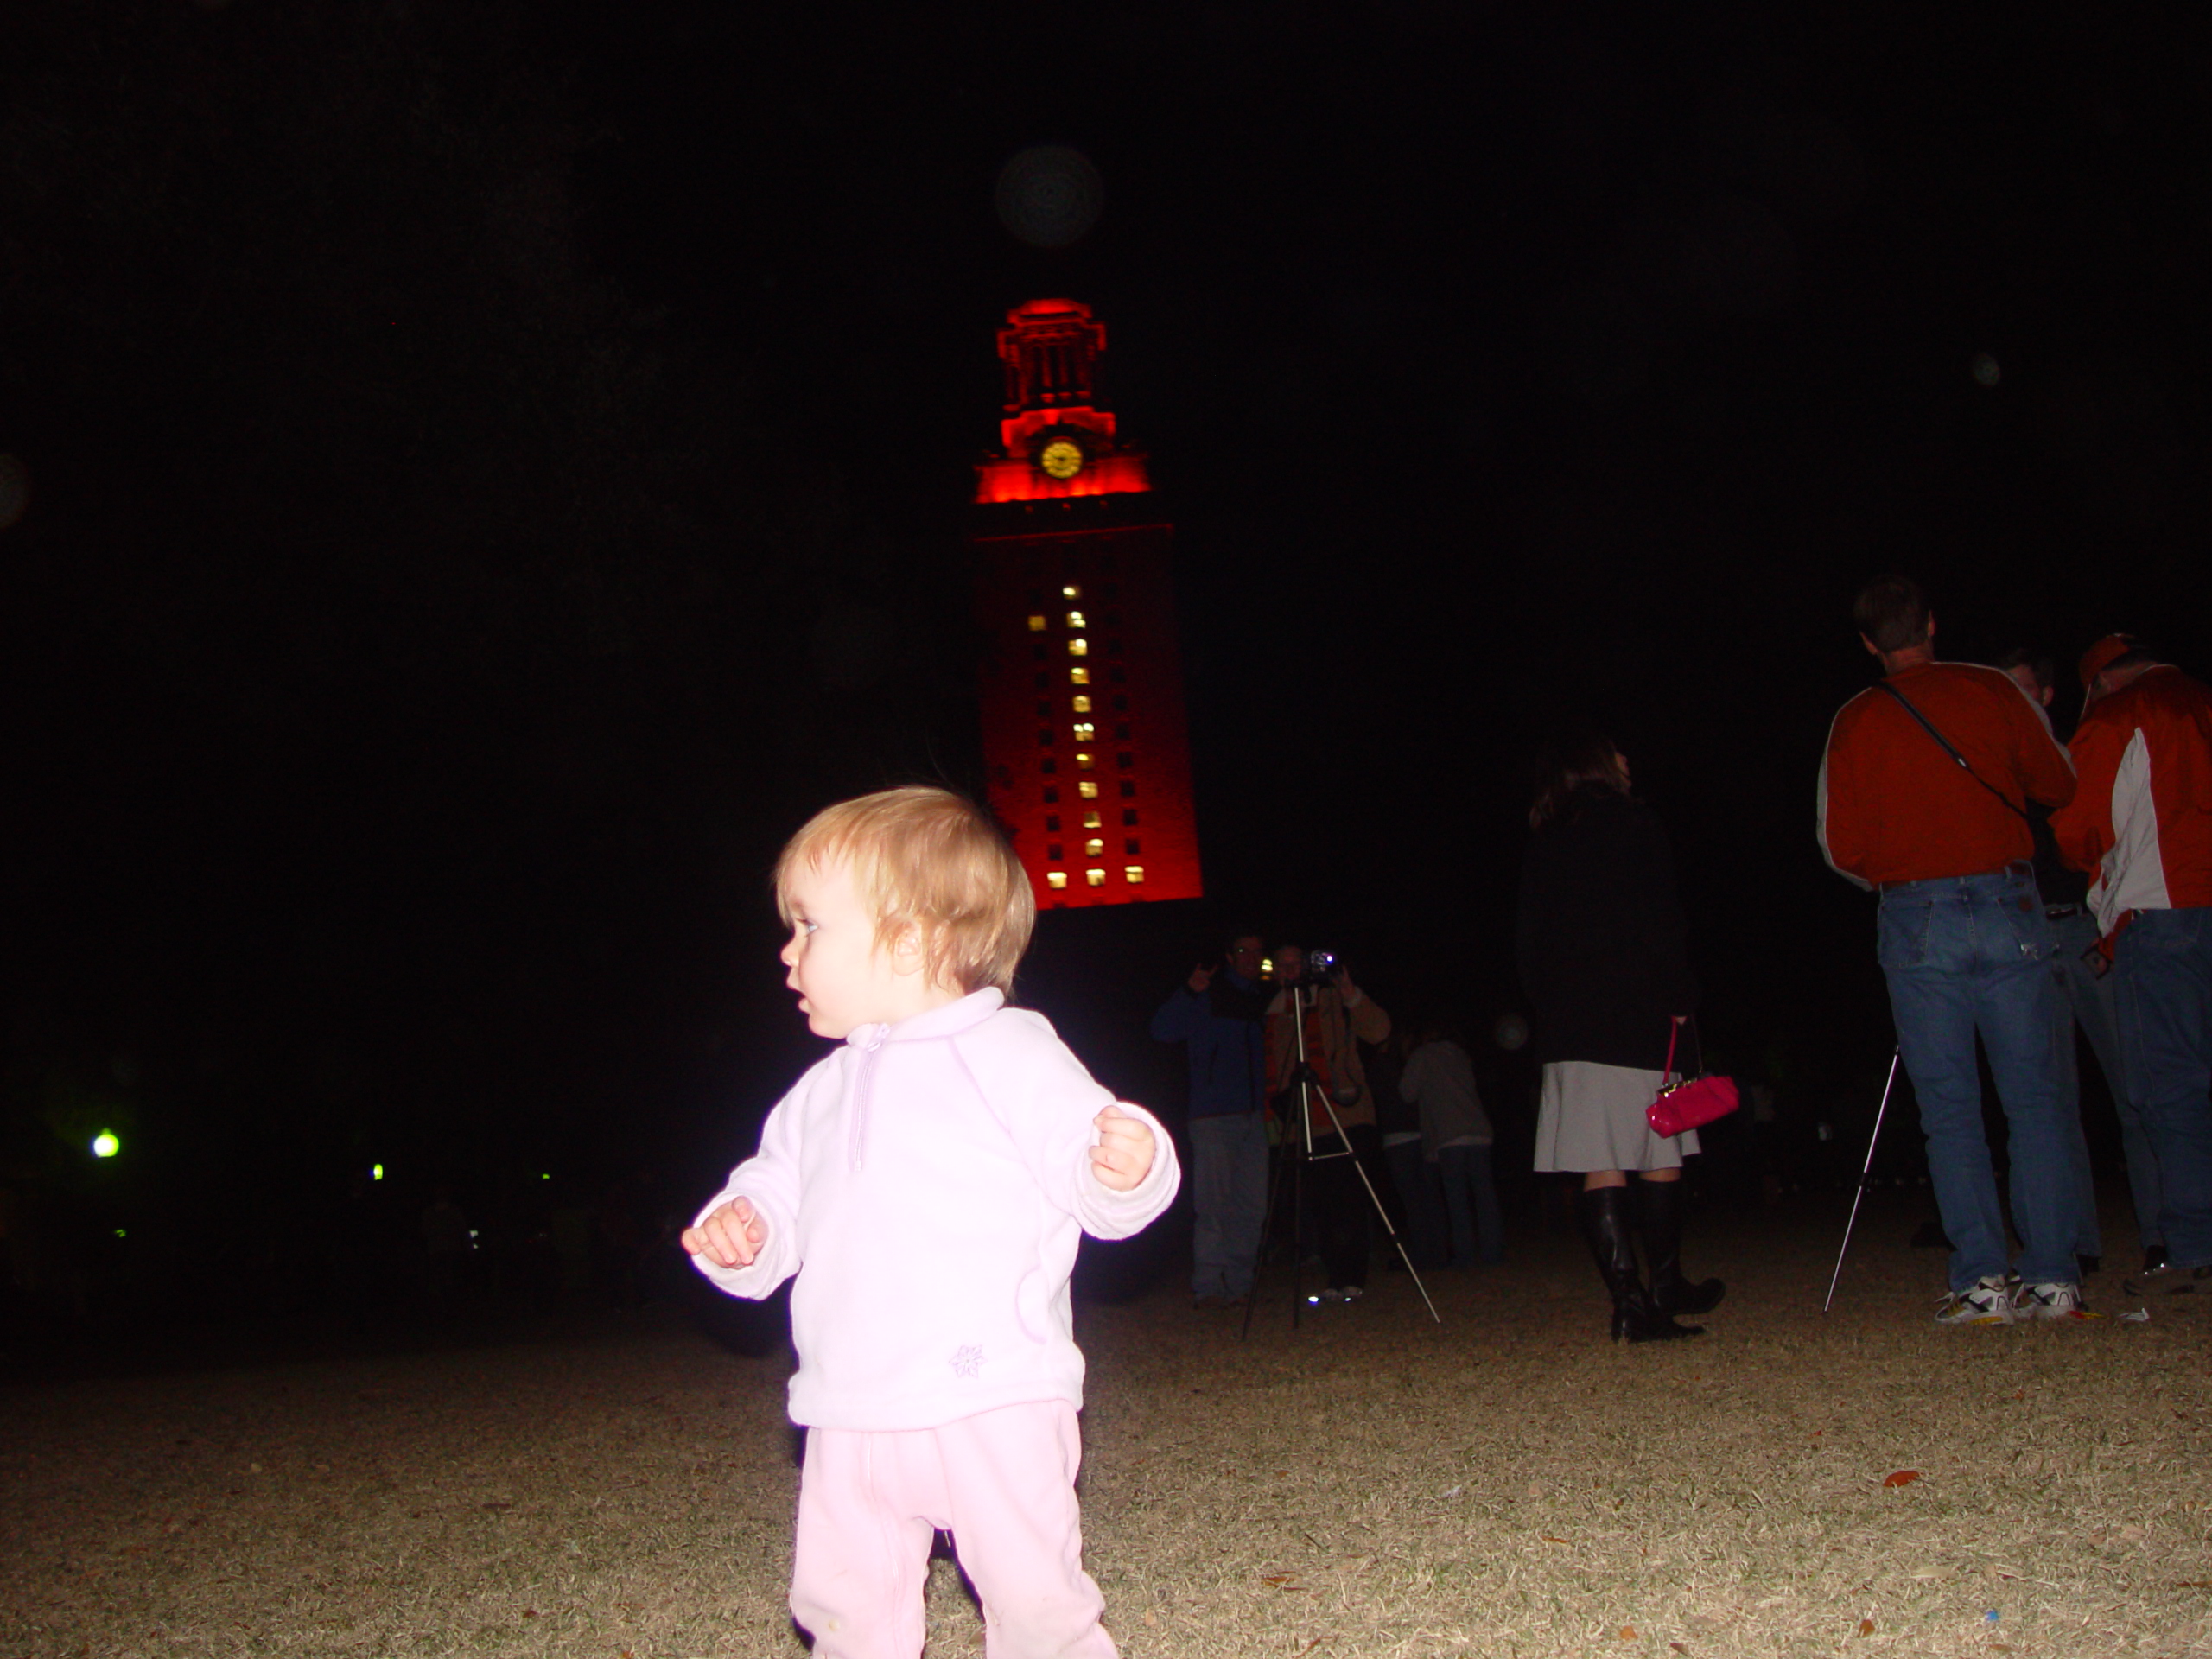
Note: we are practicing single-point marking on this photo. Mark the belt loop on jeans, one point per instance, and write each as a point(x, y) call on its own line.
point(2019, 867)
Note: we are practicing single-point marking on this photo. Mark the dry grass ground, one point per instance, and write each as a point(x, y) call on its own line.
point(1510, 1483)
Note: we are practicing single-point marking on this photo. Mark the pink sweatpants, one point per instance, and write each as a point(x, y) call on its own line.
point(1002, 1482)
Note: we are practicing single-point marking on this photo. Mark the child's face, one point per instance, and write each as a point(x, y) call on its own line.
point(842, 980)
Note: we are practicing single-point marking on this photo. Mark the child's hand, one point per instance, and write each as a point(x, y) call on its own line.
point(1122, 1157)
point(734, 1234)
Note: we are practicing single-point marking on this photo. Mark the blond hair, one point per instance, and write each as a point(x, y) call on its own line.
point(929, 859)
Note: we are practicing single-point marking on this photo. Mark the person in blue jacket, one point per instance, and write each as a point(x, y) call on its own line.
point(1219, 1014)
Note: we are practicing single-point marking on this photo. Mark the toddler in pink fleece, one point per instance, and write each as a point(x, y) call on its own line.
point(929, 1182)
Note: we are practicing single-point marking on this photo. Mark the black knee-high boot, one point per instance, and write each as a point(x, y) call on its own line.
point(1604, 1211)
point(1661, 1205)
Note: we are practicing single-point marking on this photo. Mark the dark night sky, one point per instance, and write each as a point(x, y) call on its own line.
point(494, 477)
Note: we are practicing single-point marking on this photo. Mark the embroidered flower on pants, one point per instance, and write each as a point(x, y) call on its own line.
point(967, 1362)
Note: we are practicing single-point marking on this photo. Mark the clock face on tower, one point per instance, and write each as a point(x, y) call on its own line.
point(1062, 458)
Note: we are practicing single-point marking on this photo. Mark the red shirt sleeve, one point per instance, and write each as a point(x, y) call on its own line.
point(2046, 774)
point(2084, 825)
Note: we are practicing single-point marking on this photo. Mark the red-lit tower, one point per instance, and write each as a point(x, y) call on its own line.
point(1086, 745)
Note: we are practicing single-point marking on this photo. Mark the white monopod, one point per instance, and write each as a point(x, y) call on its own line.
point(1864, 1176)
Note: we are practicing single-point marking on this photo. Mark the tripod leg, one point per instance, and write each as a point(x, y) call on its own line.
point(1864, 1174)
point(1383, 1216)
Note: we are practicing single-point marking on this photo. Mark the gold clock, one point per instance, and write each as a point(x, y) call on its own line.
point(1062, 458)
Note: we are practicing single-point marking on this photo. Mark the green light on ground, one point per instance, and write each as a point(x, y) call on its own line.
point(105, 1145)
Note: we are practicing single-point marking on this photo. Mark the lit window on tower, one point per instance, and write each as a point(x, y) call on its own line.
point(1090, 821)
point(1078, 647)
point(1135, 875)
point(1095, 877)
point(1071, 591)
point(1078, 677)
point(1082, 759)
point(1094, 848)
point(1089, 791)
point(1084, 731)
point(1036, 624)
point(1056, 879)
point(1082, 704)
point(1075, 619)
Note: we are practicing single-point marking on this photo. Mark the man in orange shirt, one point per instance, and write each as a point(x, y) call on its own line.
point(2143, 823)
point(1922, 799)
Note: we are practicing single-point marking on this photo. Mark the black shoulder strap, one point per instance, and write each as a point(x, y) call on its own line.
point(1906, 703)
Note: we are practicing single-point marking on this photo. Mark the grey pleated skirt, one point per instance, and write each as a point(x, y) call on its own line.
point(1591, 1117)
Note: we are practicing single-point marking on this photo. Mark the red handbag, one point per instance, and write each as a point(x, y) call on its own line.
point(1691, 1102)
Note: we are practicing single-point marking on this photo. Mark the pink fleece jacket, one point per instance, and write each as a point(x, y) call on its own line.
point(929, 1182)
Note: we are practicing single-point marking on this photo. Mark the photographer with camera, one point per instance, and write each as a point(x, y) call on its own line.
point(1318, 996)
point(1217, 1014)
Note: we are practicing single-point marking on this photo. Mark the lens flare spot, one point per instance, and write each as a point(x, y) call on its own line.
point(1049, 195)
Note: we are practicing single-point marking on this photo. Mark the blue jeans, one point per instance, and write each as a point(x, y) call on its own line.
point(1472, 1201)
point(1972, 953)
point(2163, 974)
point(1429, 1238)
point(1229, 1201)
point(2088, 1238)
point(2089, 1001)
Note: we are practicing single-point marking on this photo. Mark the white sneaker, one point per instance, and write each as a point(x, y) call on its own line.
point(1986, 1301)
point(2049, 1300)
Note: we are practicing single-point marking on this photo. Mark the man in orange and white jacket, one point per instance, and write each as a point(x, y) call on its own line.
point(2141, 819)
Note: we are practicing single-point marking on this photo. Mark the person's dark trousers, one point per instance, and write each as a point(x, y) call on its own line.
point(1339, 1207)
point(1227, 1181)
point(1471, 1200)
point(1660, 1205)
point(2162, 967)
point(1424, 1200)
point(2091, 1002)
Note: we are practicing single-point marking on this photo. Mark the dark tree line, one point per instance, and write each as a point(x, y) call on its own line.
point(414, 651)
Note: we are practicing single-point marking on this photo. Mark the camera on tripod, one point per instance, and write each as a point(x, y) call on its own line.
point(1320, 969)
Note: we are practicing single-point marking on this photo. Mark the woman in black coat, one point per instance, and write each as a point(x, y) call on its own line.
point(1605, 961)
